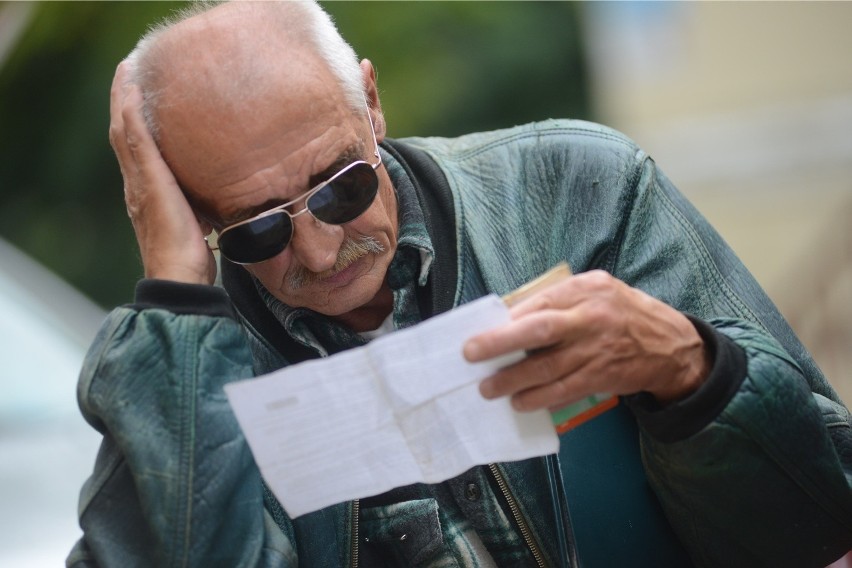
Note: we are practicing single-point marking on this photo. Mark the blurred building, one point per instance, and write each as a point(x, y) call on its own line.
point(748, 108)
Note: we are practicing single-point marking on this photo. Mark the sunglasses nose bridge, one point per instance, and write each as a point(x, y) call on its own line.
point(301, 212)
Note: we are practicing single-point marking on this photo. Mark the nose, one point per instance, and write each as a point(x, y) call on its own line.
point(315, 244)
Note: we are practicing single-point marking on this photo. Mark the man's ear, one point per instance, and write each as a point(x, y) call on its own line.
point(371, 92)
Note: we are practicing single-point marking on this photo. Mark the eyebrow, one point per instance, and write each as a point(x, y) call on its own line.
point(351, 154)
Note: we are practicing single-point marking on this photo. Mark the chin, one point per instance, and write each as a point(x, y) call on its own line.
point(341, 300)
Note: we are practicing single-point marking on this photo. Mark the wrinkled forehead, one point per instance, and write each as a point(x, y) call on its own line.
point(235, 156)
point(244, 166)
point(230, 108)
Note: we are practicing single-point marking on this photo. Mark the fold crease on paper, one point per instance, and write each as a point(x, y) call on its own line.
point(403, 409)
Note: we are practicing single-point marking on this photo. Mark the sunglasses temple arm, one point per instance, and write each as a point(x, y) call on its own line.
point(373, 132)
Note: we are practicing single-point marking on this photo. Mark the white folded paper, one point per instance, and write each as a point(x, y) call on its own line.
point(405, 408)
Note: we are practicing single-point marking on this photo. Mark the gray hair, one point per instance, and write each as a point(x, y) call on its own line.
point(304, 20)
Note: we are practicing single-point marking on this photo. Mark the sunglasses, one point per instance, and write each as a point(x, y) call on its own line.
point(338, 200)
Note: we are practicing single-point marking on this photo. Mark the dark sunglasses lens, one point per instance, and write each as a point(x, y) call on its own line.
point(345, 197)
point(258, 240)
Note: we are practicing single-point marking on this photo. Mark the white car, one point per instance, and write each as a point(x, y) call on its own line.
point(47, 448)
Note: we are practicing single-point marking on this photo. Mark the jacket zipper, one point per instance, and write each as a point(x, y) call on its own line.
point(353, 552)
point(510, 499)
point(516, 513)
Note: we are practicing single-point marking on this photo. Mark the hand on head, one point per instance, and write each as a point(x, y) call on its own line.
point(592, 334)
point(170, 236)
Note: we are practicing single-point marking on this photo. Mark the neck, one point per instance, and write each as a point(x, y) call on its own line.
point(371, 315)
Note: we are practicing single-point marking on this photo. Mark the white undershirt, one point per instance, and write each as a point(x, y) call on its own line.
point(385, 327)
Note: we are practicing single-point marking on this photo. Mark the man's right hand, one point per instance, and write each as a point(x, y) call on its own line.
point(170, 236)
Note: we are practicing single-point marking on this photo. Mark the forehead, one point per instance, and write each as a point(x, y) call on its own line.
point(280, 171)
point(349, 155)
point(236, 156)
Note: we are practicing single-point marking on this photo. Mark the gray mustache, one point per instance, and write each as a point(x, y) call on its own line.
point(350, 251)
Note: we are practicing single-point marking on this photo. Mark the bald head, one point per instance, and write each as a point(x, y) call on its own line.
point(233, 55)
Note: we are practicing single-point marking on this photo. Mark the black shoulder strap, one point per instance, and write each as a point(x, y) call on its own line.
point(436, 201)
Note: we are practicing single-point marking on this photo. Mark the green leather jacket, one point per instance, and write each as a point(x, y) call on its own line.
point(752, 470)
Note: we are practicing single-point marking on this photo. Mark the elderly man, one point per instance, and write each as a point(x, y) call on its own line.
point(257, 121)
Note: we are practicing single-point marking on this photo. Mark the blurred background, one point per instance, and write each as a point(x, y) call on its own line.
point(746, 106)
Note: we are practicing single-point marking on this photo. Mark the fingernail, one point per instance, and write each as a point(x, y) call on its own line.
point(486, 389)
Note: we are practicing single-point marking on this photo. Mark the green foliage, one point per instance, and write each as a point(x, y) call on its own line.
point(445, 68)
point(61, 194)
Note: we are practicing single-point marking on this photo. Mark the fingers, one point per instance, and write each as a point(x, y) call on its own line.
point(568, 329)
point(554, 339)
point(538, 369)
point(550, 316)
point(536, 330)
point(569, 292)
point(139, 138)
point(116, 96)
point(117, 137)
point(154, 175)
point(559, 312)
point(129, 134)
point(592, 334)
point(553, 395)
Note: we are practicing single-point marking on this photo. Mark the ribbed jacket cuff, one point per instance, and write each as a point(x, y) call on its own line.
point(183, 299)
point(681, 419)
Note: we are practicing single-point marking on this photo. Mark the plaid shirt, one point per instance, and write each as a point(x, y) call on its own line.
point(462, 522)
